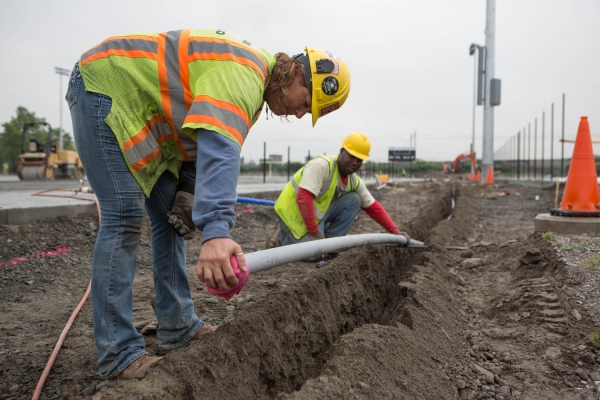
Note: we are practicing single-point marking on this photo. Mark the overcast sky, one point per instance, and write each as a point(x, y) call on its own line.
point(410, 65)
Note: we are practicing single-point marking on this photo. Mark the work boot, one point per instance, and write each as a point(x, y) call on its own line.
point(139, 368)
point(273, 240)
point(206, 328)
point(180, 216)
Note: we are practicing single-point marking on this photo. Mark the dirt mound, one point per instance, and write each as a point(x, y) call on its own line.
point(482, 312)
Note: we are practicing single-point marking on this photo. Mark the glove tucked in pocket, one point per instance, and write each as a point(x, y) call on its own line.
point(180, 216)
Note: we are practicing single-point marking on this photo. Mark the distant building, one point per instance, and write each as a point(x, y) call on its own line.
point(276, 158)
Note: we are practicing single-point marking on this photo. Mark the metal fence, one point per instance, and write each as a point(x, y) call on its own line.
point(525, 155)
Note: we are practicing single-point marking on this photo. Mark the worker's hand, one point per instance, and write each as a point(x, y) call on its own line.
point(214, 267)
point(316, 235)
point(180, 215)
point(406, 236)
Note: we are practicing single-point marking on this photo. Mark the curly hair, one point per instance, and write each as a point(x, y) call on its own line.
point(285, 71)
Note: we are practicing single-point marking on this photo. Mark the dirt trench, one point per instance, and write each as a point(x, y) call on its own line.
point(297, 333)
point(489, 310)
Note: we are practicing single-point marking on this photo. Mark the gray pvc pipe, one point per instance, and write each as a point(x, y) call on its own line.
point(266, 259)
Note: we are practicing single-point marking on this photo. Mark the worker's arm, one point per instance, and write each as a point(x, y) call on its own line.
point(378, 213)
point(217, 170)
point(306, 204)
point(315, 173)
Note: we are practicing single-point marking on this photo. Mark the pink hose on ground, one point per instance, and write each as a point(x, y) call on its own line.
point(59, 343)
point(63, 335)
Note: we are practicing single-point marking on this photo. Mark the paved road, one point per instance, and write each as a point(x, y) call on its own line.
point(12, 182)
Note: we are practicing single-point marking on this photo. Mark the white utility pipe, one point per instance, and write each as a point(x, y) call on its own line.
point(266, 259)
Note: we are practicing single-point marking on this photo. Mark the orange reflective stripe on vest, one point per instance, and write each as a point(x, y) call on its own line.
point(206, 48)
point(173, 51)
point(144, 147)
point(230, 117)
point(127, 46)
point(174, 83)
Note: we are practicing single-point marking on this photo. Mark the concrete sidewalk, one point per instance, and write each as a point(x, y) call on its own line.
point(19, 203)
point(22, 206)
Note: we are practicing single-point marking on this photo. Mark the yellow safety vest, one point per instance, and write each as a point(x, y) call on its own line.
point(164, 86)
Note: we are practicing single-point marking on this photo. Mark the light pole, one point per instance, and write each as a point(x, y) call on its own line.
point(61, 72)
point(477, 99)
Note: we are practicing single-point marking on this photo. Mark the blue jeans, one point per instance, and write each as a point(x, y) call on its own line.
point(122, 205)
point(336, 222)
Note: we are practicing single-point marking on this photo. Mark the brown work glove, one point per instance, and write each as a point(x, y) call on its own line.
point(180, 215)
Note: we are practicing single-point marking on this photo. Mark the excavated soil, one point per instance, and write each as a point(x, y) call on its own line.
point(489, 310)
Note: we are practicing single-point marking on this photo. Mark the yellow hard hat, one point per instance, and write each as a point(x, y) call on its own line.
point(327, 78)
point(358, 145)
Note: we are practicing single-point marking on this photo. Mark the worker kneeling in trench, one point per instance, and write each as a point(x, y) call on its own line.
point(322, 199)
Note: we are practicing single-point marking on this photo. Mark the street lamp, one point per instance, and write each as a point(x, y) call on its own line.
point(477, 87)
point(61, 72)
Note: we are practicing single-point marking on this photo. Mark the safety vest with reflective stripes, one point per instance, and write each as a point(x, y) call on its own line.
point(165, 86)
point(287, 209)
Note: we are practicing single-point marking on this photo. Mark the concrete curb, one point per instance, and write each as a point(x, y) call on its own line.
point(23, 215)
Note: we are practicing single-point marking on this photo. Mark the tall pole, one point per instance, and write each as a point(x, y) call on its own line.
point(514, 159)
point(552, 144)
point(474, 107)
point(488, 111)
point(562, 154)
point(61, 72)
point(543, 128)
point(535, 151)
point(519, 155)
point(265, 162)
point(529, 151)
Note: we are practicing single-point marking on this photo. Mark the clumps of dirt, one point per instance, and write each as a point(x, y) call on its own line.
point(290, 336)
point(373, 322)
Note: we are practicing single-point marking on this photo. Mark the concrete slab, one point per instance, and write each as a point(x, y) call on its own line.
point(19, 205)
point(22, 206)
point(566, 225)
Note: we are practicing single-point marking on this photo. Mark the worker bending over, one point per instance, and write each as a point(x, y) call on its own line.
point(323, 198)
point(143, 107)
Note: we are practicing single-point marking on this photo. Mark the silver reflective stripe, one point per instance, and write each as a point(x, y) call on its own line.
point(149, 144)
point(123, 44)
point(225, 116)
point(224, 48)
point(318, 213)
point(353, 182)
point(176, 91)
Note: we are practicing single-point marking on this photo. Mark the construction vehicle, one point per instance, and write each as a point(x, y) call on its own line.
point(457, 166)
point(45, 161)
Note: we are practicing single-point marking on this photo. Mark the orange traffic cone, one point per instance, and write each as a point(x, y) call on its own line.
point(478, 178)
point(490, 176)
point(581, 197)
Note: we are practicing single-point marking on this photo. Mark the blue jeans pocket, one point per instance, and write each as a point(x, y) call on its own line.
point(74, 85)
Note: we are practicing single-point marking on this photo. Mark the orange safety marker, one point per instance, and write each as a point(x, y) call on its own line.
point(581, 197)
point(490, 176)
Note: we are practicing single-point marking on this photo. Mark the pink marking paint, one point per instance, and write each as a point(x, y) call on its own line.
point(19, 260)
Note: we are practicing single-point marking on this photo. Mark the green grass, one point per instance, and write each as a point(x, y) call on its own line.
point(548, 235)
point(593, 262)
